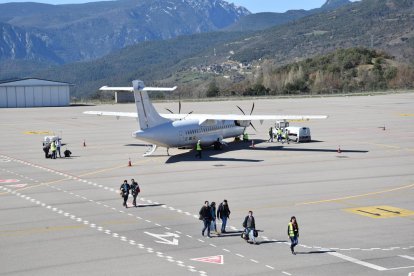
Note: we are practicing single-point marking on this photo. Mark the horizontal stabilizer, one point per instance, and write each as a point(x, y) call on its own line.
point(131, 89)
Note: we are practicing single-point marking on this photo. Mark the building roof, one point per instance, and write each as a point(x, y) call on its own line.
point(33, 82)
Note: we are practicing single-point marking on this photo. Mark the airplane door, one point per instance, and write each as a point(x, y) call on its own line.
point(180, 134)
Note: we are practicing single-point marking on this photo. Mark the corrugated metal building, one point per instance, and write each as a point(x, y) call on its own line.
point(32, 92)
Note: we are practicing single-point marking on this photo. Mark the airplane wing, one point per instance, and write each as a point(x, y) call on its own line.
point(234, 117)
point(218, 117)
point(111, 113)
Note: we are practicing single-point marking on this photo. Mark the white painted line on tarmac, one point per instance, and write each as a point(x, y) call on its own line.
point(286, 273)
point(407, 257)
point(402, 267)
point(356, 261)
point(271, 267)
point(240, 255)
point(254, 261)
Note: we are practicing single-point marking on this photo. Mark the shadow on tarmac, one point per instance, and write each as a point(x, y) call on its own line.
point(148, 205)
point(264, 242)
point(315, 252)
point(209, 154)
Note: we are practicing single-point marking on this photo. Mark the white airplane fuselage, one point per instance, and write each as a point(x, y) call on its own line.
point(185, 133)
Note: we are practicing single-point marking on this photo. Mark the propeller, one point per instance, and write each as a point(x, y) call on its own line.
point(251, 111)
point(179, 109)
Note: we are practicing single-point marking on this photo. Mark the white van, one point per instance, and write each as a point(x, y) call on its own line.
point(299, 134)
point(49, 139)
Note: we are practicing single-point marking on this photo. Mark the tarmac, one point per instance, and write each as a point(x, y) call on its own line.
point(354, 206)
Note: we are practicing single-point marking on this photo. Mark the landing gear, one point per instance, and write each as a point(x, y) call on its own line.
point(168, 153)
point(150, 151)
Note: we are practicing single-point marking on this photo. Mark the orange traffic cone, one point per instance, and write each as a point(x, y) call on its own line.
point(84, 144)
point(129, 163)
point(339, 149)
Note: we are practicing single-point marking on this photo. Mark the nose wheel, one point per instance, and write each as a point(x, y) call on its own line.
point(150, 151)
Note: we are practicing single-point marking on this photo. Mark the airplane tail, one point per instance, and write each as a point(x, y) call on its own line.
point(147, 115)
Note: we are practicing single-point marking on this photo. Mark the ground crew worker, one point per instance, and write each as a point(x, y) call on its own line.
point(53, 149)
point(198, 149)
point(286, 136)
point(205, 216)
point(134, 191)
point(270, 135)
point(124, 192)
point(279, 135)
point(58, 144)
point(245, 137)
point(293, 233)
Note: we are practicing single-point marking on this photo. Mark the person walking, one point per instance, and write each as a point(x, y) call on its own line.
point(279, 135)
point(293, 233)
point(58, 144)
point(205, 216)
point(198, 149)
point(223, 213)
point(124, 192)
point(213, 224)
point(135, 190)
point(286, 135)
point(270, 134)
point(53, 149)
point(250, 227)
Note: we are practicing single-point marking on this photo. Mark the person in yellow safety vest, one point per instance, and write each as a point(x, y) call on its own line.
point(245, 137)
point(279, 135)
point(286, 135)
point(293, 233)
point(198, 149)
point(53, 149)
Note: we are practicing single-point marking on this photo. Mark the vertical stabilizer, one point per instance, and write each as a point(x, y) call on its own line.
point(147, 115)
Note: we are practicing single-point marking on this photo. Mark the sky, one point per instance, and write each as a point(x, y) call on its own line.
point(252, 5)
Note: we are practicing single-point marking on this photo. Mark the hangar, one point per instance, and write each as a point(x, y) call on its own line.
point(32, 92)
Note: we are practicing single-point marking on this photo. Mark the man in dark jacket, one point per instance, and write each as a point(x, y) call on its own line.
point(223, 213)
point(125, 192)
point(46, 149)
point(250, 226)
point(205, 216)
point(134, 191)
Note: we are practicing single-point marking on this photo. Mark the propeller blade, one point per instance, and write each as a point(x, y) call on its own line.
point(169, 111)
point(241, 110)
point(252, 109)
point(253, 127)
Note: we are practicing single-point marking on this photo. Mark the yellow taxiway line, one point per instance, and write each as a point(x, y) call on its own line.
point(356, 196)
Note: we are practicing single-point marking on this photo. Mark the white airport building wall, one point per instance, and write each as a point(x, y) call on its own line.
point(34, 93)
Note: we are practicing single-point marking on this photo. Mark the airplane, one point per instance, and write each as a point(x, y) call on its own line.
point(185, 130)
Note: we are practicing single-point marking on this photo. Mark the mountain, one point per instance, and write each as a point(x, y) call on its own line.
point(80, 32)
point(334, 4)
point(381, 24)
point(19, 44)
point(386, 25)
point(264, 20)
